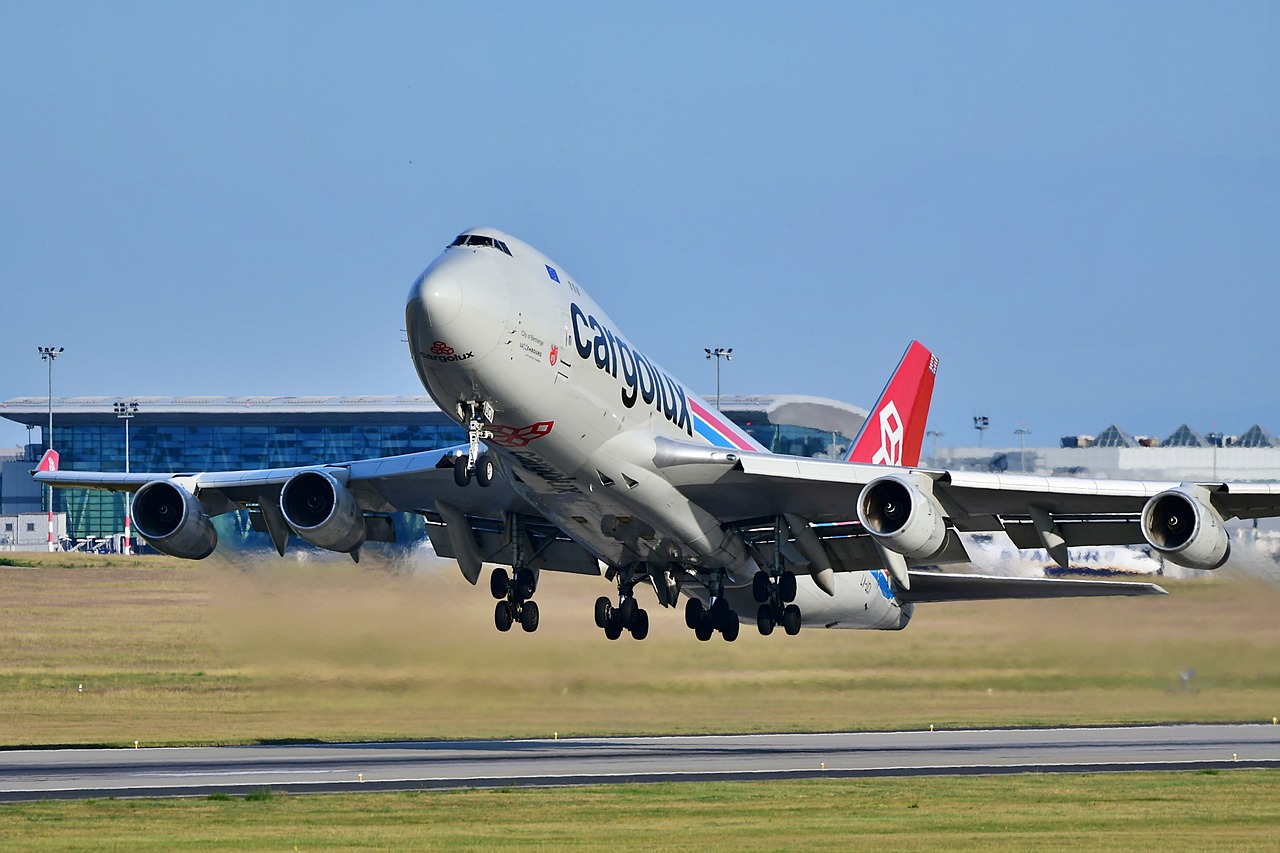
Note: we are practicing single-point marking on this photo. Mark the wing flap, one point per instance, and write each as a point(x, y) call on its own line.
point(931, 587)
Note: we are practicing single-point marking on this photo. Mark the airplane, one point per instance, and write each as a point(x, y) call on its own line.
point(586, 456)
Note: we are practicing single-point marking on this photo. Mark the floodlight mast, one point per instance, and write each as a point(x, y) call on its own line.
point(718, 353)
point(981, 423)
point(1022, 434)
point(48, 354)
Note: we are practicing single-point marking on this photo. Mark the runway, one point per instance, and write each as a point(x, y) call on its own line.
point(166, 772)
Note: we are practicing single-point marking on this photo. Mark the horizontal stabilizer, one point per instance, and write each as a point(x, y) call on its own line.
point(935, 586)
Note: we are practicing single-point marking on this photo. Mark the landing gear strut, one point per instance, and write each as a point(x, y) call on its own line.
point(477, 415)
point(513, 594)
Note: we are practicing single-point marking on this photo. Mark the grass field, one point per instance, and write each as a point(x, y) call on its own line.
point(112, 650)
point(1237, 810)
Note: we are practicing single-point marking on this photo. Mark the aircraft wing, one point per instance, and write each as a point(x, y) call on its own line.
point(929, 587)
point(467, 524)
point(1035, 511)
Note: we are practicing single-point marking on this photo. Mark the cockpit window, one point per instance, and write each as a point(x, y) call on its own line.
point(480, 240)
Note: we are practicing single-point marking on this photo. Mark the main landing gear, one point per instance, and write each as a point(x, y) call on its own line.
point(513, 594)
point(774, 595)
point(627, 616)
point(706, 621)
point(476, 463)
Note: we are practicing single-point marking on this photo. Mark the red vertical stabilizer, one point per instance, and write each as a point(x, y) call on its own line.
point(48, 462)
point(894, 431)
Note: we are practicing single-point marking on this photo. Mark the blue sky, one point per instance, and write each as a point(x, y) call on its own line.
point(1076, 206)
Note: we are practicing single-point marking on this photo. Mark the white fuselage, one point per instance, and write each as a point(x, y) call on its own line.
point(577, 409)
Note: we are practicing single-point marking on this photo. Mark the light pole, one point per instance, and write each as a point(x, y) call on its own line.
point(934, 433)
point(718, 353)
point(126, 411)
point(1022, 433)
point(48, 354)
point(981, 423)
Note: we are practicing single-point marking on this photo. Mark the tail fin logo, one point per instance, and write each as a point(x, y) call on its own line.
point(49, 462)
point(890, 452)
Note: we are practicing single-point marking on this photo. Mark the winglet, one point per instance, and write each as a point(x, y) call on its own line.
point(48, 462)
point(894, 431)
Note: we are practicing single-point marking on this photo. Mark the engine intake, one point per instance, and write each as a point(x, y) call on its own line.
point(323, 511)
point(903, 516)
point(1186, 529)
point(173, 521)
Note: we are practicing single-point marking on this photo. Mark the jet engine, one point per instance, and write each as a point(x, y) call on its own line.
point(323, 511)
point(1186, 529)
point(903, 515)
point(173, 521)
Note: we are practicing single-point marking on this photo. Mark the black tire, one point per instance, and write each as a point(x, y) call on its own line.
point(787, 586)
point(627, 610)
point(484, 469)
point(604, 609)
point(613, 628)
point(693, 611)
point(529, 616)
point(461, 475)
point(526, 584)
point(760, 587)
point(704, 631)
point(502, 616)
point(720, 613)
point(764, 620)
point(730, 628)
point(499, 583)
point(791, 620)
point(640, 625)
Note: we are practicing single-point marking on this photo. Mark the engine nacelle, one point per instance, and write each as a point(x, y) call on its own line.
point(323, 511)
point(173, 521)
point(1186, 529)
point(903, 515)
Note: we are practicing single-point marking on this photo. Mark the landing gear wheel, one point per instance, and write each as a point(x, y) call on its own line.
point(613, 628)
point(484, 469)
point(461, 475)
point(787, 586)
point(627, 611)
point(729, 630)
point(791, 620)
point(764, 620)
point(502, 616)
point(721, 615)
point(604, 609)
point(526, 584)
point(760, 587)
point(703, 631)
point(693, 611)
point(499, 583)
point(529, 616)
point(640, 625)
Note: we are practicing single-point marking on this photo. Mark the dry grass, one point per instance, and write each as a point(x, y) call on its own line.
point(1239, 810)
point(223, 651)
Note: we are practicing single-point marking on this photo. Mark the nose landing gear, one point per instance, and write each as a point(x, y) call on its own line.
point(477, 415)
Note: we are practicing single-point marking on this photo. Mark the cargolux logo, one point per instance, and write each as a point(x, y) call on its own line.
point(509, 436)
point(890, 452)
point(440, 351)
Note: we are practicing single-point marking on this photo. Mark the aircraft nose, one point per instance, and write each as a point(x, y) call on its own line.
point(438, 295)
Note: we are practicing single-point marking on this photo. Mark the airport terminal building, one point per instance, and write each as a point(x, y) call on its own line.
point(190, 434)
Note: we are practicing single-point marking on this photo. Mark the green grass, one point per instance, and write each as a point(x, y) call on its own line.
point(1236, 810)
point(110, 651)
